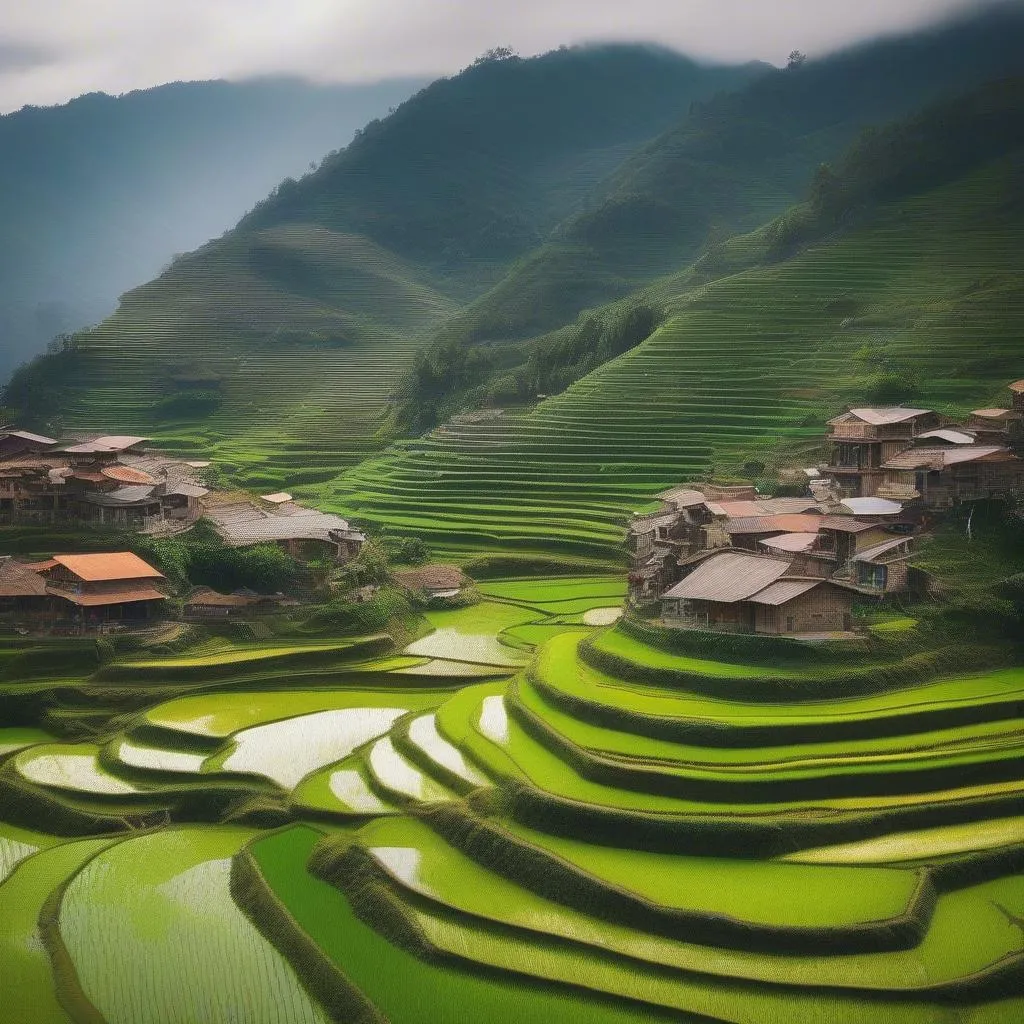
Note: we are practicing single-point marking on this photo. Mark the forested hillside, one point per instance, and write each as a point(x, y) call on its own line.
point(462, 251)
point(96, 195)
point(736, 161)
point(288, 334)
point(898, 279)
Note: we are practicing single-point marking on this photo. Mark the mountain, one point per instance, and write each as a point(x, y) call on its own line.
point(96, 195)
point(897, 279)
point(737, 160)
point(288, 334)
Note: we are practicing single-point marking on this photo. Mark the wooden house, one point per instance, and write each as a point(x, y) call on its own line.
point(98, 588)
point(741, 592)
point(843, 537)
point(436, 581)
point(748, 532)
point(940, 477)
point(883, 568)
point(304, 533)
point(862, 440)
point(23, 595)
point(21, 442)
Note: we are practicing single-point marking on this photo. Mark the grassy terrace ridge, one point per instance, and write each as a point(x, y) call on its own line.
point(745, 367)
point(401, 984)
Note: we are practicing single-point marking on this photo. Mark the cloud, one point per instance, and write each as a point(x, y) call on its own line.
point(52, 50)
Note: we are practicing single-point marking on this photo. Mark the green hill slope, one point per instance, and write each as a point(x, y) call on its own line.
point(287, 334)
point(736, 161)
point(926, 288)
point(98, 193)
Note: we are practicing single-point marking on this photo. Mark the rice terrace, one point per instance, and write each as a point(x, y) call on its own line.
point(559, 558)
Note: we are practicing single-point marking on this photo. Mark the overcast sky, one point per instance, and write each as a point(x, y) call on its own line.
point(53, 50)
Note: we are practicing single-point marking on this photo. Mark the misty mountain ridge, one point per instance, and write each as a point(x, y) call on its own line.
point(488, 210)
point(98, 194)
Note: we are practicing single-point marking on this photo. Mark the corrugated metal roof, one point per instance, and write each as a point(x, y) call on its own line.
point(790, 542)
point(872, 506)
point(186, 490)
point(794, 523)
point(730, 576)
point(870, 554)
point(952, 436)
point(846, 524)
point(940, 458)
point(26, 436)
point(106, 443)
point(125, 595)
point(992, 414)
point(883, 415)
point(1017, 387)
point(110, 565)
point(122, 496)
point(784, 591)
point(276, 499)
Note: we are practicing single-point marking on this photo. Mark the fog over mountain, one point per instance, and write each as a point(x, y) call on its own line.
point(98, 194)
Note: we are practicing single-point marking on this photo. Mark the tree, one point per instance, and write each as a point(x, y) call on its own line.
point(495, 55)
point(796, 59)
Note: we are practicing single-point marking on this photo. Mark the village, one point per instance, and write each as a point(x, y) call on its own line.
point(117, 483)
point(729, 559)
point(713, 557)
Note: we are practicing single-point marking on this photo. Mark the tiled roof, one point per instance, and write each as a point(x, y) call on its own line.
point(730, 576)
point(792, 523)
point(762, 507)
point(846, 524)
point(1017, 387)
point(683, 497)
point(128, 475)
point(992, 414)
point(19, 580)
point(113, 565)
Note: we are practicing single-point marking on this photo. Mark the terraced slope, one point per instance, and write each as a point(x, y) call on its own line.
point(745, 366)
point(281, 341)
point(619, 826)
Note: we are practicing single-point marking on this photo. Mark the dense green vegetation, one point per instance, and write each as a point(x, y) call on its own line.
point(498, 808)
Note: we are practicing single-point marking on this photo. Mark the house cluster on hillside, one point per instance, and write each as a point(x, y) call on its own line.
point(106, 480)
point(727, 558)
point(117, 482)
point(920, 457)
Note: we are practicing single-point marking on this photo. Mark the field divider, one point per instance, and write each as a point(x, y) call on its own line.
point(321, 977)
point(554, 878)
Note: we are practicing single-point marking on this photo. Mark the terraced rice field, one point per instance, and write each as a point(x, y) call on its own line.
point(744, 366)
point(550, 842)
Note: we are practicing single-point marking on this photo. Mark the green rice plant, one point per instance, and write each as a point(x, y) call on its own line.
point(924, 844)
point(28, 988)
point(404, 987)
point(154, 935)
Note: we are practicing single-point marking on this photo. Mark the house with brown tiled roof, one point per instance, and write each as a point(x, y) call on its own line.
point(101, 587)
point(741, 592)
